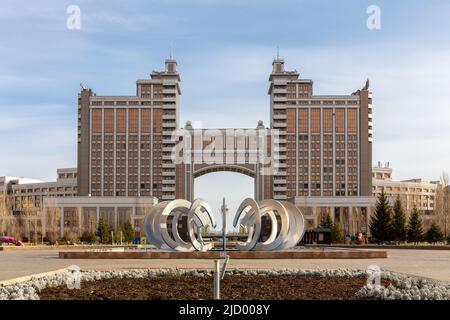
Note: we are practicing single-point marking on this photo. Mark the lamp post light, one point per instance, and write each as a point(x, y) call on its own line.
point(224, 210)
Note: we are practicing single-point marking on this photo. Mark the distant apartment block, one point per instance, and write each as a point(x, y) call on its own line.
point(27, 194)
point(419, 193)
point(6, 190)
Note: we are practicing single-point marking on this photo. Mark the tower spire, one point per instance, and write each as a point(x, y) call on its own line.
point(278, 52)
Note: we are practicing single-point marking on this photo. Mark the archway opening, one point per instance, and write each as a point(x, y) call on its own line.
point(233, 186)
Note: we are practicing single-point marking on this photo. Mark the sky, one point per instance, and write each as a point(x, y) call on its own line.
point(224, 51)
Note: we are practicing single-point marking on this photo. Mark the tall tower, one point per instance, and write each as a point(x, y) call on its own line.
point(125, 142)
point(325, 141)
point(278, 91)
point(365, 140)
point(170, 112)
point(83, 141)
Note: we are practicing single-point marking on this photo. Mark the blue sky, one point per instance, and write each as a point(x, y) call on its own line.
point(224, 50)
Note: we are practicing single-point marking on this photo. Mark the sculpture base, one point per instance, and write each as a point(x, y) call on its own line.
point(287, 254)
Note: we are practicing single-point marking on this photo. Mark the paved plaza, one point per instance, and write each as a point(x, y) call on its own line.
point(425, 263)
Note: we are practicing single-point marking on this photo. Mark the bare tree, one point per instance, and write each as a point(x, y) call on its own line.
point(7, 220)
point(3, 217)
point(442, 203)
point(17, 226)
point(51, 221)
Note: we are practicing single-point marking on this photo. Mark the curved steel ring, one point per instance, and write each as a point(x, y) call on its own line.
point(199, 214)
point(285, 232)
point(292, 224)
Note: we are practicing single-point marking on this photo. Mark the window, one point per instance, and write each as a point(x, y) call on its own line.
point(340, 120)
point(315, 120)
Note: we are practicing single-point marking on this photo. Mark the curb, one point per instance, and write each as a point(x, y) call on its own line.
point(381, 247)
point(27, 278)
point(67, 247)
point(343, 254)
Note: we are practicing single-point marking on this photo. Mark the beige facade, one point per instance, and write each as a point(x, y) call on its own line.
point(352, 214)
point(246, 151)
point(419, 193)
point(7, 182)
point(322, 146)
point(79, 214)
point(21, 209)
point(28, 196)
point(325, 141)
point(124, 142)
point(325, 146)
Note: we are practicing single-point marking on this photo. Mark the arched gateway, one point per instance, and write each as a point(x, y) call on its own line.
point(247, 151)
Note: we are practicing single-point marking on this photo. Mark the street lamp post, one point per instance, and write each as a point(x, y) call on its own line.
point(224, 210)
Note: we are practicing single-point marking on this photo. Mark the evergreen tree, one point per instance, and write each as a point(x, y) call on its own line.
point(336, 233)
point(326, 222)
point(380, 222)
point(398, 222)
point(434, 234)
point(104, 231)
point(127, 232)
point(415, 230)
point(89, 237)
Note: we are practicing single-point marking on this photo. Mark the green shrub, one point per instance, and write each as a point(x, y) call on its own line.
point(336, 233)
point(104, 232)
point(326, 222)
point(434, 234)
point(89, 237)
point(69, 237)
point(127, 232)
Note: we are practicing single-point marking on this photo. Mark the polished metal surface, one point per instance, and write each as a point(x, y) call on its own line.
point(287, 224)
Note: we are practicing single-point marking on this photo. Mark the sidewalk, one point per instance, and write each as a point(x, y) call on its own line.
point(425, 263)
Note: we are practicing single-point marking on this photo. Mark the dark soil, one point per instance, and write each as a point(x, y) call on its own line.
point(233, 287)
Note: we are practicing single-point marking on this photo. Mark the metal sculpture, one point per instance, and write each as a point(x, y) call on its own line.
point(283, 235)
point(291, 230)
point(199, 214)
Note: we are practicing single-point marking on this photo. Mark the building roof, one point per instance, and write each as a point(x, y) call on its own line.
point(18, 180)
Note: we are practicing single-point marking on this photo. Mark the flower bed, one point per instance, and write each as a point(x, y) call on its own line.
point(237, 284)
